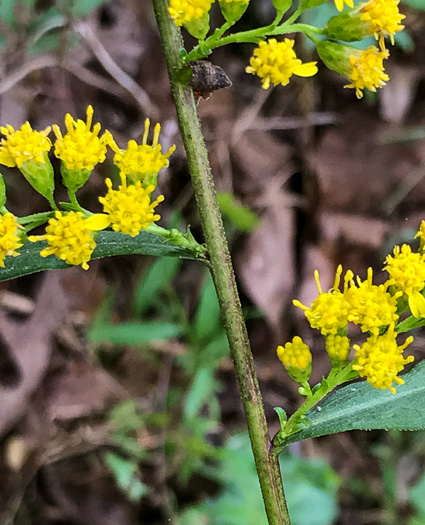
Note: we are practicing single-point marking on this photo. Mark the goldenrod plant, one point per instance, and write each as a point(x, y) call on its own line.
point(73, 235)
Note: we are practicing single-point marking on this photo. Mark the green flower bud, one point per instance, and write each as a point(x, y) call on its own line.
point(347, 27)
point(233, 10)
point(199, 27)
point(40, 175)
point(336, 56)
point(282, 6)
point(309, 4)
point(74, 179)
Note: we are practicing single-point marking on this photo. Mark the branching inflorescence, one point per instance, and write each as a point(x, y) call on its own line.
point(276, 61)
point(376, 311)
point(70, 233)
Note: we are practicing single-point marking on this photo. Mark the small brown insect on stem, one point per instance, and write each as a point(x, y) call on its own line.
point(207, 78)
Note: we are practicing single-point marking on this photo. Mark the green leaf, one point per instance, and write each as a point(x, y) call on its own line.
point(409, 324)
point(207, 320)
point(416, 495)
point(108, 244)
point(125, 476)
point(125, 416)
point(242, 217)
point(359, 406)
point(159, 275)
point(134, 333)
point(281, 414)
point(203, 386)
point(240, 502)
point(7, 12)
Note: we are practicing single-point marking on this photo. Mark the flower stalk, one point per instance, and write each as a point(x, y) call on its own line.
point(266, 462)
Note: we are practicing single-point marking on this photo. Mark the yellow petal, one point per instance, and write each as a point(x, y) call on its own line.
point(98, 221)
point(339, 4)
point(306, 70)
point(417, 304)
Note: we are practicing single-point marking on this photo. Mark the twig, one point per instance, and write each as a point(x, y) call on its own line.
point(141, 97)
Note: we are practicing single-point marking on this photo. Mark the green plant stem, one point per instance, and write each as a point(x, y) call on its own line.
point(253, 36)
point(336, 377)
point(266, 462)
point(39, 218)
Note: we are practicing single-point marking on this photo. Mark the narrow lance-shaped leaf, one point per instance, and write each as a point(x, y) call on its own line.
point(359, 406)
point(108, 244)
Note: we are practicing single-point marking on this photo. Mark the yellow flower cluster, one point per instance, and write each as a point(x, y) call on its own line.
point(130, 208)
point(384, 18)
point(186, 11)
point(81, 148)
point(275, 63)
point(23, 145)
point(367, 70)
point(375, 309)
point(139, 161)
point(9, 237)
point(70, 235)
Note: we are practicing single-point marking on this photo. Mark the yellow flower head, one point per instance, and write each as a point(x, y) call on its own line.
point(338, 349)
point(70, 236)
point(9, 237)
point(81, 148)
point(367, 70)
point(339, 4)
point(371, 306)
point(407, 273)
point(24, 144)
point(380, 359)
point(384, 17)
point(185, 11)
point(296, 358)
point(329, 312)
point(130, 208)
point(139, 161)
point(275, 63)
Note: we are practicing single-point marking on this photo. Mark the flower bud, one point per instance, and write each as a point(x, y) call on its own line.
point(282, 5)
point(338, 349)
point(199, 27)
point(233, 9)
point(296, 358)
point(348, 27)
point(40, 175)
point(74, 179)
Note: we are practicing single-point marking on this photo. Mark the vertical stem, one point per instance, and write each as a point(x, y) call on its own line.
point(266, 463)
